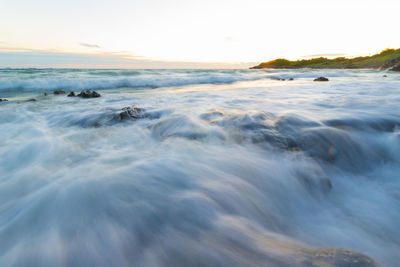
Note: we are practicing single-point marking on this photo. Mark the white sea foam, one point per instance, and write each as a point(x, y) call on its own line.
point(255, 173)
point(33, 80)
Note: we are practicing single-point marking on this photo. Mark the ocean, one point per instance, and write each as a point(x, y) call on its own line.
point(215, 168)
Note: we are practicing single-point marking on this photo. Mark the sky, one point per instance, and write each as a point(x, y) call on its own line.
point(190, 34)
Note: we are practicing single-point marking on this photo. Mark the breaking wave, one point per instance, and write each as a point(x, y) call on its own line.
point(42, 80)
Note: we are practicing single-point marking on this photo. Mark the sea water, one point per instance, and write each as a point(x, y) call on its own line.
point(225, 167)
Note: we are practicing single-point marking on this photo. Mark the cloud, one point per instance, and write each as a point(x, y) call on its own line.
point(13, 49)
point(24, 58)
point(89, 45)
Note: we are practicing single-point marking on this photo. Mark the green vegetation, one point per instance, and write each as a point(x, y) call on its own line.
point(387, 59)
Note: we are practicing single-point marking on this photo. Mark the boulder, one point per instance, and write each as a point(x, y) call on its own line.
point(59, 92)
point(3, 100)
point(45, 94)
point(71, 94)
point(131, 113)
point(291, 79)
point(88, 94)
point(321, 79)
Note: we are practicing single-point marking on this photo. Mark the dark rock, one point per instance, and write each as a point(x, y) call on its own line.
point(391, 64)
point(396, 68)
point(59, 92)
point(45, 94)
point(71, 94)
point(131, 113)
point(384, 76)
point(88, 94)
point(291, 79)
point(110, 116)
point(339, 257)
point(28, 100)
point(3, 100)
point(321, 79)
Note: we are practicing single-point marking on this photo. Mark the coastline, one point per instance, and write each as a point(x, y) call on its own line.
point(388, 59)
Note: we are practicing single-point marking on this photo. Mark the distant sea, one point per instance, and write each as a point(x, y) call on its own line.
point(206, 168)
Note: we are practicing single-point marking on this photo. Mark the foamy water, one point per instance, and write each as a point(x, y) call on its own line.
point(224, 168)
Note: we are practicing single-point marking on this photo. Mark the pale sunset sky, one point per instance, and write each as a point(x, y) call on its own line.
point(190, 34)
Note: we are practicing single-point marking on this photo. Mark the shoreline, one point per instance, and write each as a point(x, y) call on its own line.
point(388, 59)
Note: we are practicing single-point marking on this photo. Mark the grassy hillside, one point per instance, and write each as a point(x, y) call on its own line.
point(387, 59)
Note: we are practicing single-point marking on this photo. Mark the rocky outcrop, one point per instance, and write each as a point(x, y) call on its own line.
point(321, 79)
point(88, 94)
point(396, 68)
point(391, 64)
point(71, 94)
point(387, 59)
point(59, 92)
point(3, 100)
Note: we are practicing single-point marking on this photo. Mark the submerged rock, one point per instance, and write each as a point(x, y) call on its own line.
point(314, 180)
point(28, 100)
point(88, 94)
point(71, 94)
point(109, 117)
point(131, 113)
point(3, 100)
point(59, 92)
point(321, 79)
point(339, 257)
